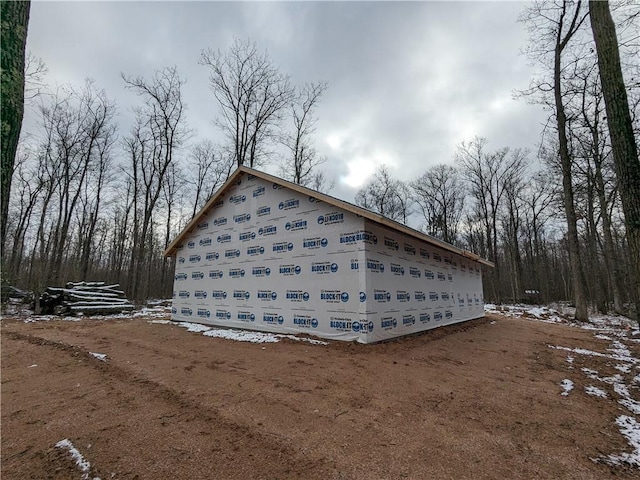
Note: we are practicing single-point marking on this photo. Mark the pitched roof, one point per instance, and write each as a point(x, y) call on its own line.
point(374, 217)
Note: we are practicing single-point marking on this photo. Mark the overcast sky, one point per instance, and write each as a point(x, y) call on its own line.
point(407, 82)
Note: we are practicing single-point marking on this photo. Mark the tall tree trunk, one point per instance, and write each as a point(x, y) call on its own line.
point(15, 20)
point(625, 152)
point(597, 292)
point(573, 244)
point(577, 274)
point(610, 258)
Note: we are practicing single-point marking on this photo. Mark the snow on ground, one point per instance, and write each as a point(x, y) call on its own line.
point(567, 386)
point(595, 391)
point(154, 309)
point(630, 428)
point(99, 356)
point(242, 335)
point(83, 465)
point(541, 313)
point(237, 335)
point(620, 332)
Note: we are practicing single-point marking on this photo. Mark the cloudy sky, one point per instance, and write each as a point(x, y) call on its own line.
point(407, 81)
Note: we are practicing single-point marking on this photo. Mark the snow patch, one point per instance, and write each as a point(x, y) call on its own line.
point(630, 428)
point(194, 327)
point(595, 391)
point(567, 386)
point(99, 356)
point(623, 368)
point(626, 400)
point(620, 349)
point(81, 463)
point(240, 335)
point(591, 353)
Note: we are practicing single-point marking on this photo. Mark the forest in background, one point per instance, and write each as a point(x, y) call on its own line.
point(91, 202)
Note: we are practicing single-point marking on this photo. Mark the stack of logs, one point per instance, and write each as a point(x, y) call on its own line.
point(92, 298)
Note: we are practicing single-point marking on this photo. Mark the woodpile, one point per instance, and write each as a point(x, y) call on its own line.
point(91, 298)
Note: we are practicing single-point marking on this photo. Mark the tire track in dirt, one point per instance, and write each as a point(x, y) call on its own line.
point(263, 455)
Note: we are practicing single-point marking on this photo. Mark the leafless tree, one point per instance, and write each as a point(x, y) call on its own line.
point(151, 146)
point(489, 176)
point(552, 26)
point(589, 132)
point(252, 94)
point(92, 199)
point(211, 166)
point(27, 186)
point(34, 72)
point(539, 204)
point(78, 135)
point(320, 182)
point(386, 195)
point(303, 159)
point(439, 194)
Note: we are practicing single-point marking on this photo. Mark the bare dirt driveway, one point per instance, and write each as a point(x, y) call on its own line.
point(477, 400)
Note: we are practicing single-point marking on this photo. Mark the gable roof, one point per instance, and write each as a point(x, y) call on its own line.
point(374, 217)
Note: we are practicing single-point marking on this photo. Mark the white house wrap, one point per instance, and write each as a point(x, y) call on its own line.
point(265, 254)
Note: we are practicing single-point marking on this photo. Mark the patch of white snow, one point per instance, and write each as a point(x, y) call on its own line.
point(99, 356)
point(567, 386)
point(81, 463)
point(595, 391)
point(193, 327)
point(603, 337)
point(630, 428)
point(240, 335)
point(624, 368)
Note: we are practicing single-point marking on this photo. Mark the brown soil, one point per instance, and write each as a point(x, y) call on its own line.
point(471, 401)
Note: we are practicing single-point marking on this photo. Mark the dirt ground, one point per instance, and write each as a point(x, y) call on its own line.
point(471, 401)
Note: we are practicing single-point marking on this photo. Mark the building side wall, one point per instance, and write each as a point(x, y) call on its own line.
point(271, 259)
point(413, 286)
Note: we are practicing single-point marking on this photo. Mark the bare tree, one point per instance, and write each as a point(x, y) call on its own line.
point(27, 188)
point(78, 133)
point(552, 26)
point(34, 72)
point(92, 199)
point(300, 165)
point(539, 202)
point(490, 175)
point(439, 194)
point(320, 182)
point(625, 151)
point(591, 136)
point(211, 167)
point(512, 220)
point(252, 94)
point(386, 195)
point(159, 132)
